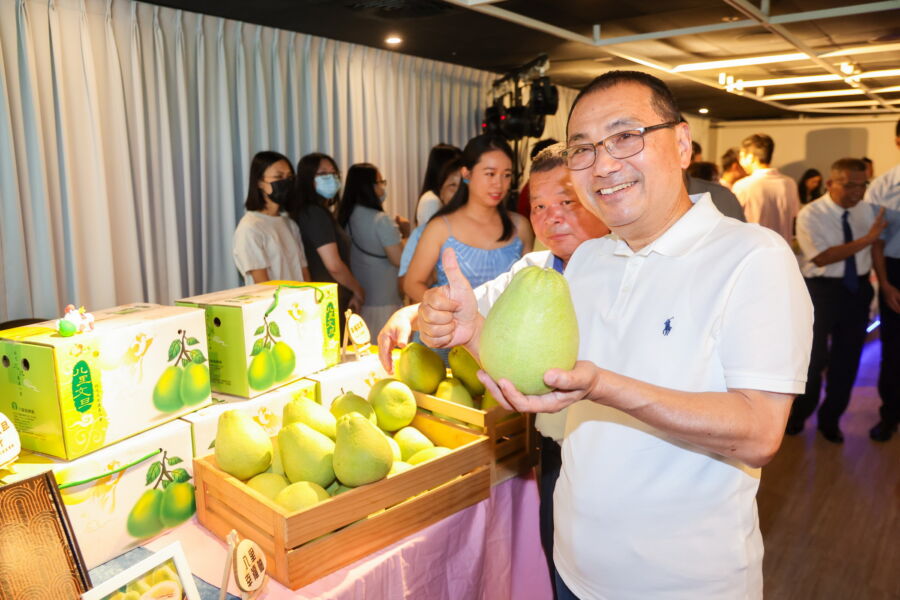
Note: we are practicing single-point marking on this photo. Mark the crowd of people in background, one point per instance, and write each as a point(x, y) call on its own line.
point(308, 225)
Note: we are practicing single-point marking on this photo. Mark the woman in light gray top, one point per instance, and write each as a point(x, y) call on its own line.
point(377, 242)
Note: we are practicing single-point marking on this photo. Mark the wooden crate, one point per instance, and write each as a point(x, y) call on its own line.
point(513, 439)
point(305, 546)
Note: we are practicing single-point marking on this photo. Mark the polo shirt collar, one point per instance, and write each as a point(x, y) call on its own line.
point(693, 225)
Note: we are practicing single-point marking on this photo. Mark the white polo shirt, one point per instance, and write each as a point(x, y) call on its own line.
point(820, 227)
point(712, 304)
point(551, 425)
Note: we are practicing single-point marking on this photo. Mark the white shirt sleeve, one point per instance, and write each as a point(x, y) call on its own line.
point(765, 335)
point(487, 293)
point(429, 204)
point(249, 248)
point(811, 232)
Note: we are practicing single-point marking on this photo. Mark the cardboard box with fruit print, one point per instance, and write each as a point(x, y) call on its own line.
point(264, 336)
point(120, 496)
point(140, 365)
point(357, 376)
point(267, 410)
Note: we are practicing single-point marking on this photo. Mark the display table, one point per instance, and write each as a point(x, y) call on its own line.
point(489, 550)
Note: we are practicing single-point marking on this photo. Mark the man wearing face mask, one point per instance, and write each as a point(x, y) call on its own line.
point(267, 245)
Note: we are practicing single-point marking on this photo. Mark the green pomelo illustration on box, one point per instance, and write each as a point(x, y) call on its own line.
point(264, 336)
point(168, 503)
point(186, 381)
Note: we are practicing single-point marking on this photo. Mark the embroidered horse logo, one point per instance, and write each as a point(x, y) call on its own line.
point(667, 328)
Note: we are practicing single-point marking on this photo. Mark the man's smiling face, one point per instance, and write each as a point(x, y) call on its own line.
point(634, 196)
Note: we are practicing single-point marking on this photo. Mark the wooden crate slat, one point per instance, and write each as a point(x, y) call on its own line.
point(263, 515)
point(450, 409)
point(318, 558)
point(507, 446)
point(354, 505)
point(511, 426)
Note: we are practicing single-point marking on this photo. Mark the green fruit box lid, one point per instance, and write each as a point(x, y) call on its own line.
point(104, 321)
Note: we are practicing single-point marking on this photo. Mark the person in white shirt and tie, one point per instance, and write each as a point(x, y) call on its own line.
point(835, 234)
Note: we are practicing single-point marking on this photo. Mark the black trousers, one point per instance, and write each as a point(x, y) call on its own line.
point(841, 317)
point(889, 378)
point(551, 463)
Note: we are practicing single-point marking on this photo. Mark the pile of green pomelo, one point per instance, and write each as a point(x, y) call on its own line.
point(320, 453)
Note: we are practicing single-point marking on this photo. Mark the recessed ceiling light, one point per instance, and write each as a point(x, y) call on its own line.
point(703, 111)
point(817, 94)
point(740, 62)
point(393, 40)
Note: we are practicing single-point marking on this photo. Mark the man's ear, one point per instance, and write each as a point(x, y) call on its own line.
point(683, 139)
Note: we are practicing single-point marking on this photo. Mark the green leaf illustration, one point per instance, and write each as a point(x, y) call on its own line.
point(185, 362)
point(259, 330)
point(173, 460)
point(212, 445)
point(165, 483)
point(258, 346)
point(198, 357)
point(180, 475)
point(273, 329)
point(174, 349)
point(269, 344)
point(192, 341)
point(153, 472)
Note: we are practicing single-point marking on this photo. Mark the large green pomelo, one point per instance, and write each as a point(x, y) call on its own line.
point(530, 329)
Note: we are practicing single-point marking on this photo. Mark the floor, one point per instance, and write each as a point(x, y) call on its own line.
point(830, 515)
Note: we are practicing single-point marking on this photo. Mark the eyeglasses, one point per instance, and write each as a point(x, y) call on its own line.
point(381, 181)
point(853, 186)
point(619, 145)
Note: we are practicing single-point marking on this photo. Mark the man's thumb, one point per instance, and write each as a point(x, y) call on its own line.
point(455, 278)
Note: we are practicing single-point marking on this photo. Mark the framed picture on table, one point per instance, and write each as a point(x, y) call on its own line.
point(165, 575)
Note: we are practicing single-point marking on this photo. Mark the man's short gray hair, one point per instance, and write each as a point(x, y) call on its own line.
point(548, 159)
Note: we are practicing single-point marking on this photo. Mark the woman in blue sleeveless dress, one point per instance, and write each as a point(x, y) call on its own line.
point(486, 237)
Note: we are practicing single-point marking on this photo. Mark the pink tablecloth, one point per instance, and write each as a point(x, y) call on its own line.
point(488, 551)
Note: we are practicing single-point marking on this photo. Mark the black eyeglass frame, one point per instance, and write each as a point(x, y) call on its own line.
point(640, 131)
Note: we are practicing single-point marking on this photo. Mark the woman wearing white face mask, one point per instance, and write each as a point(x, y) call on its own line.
point(377, 242)
point(267, 244)
point(326, 243)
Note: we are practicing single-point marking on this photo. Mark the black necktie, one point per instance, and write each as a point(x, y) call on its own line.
point(851, 280)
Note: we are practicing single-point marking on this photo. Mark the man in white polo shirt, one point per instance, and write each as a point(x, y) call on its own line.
point(835, 234)
point(695, 332)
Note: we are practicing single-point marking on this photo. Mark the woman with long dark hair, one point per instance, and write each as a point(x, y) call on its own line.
point(376, 242)
point(266, 244)
point(430, 197)
point(810, 186)
point(447, 183)
point(487, 238)
point(327, 245)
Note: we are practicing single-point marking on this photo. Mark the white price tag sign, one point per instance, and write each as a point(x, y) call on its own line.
point(10, 446)
point(359, 332)
point(249, 566)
